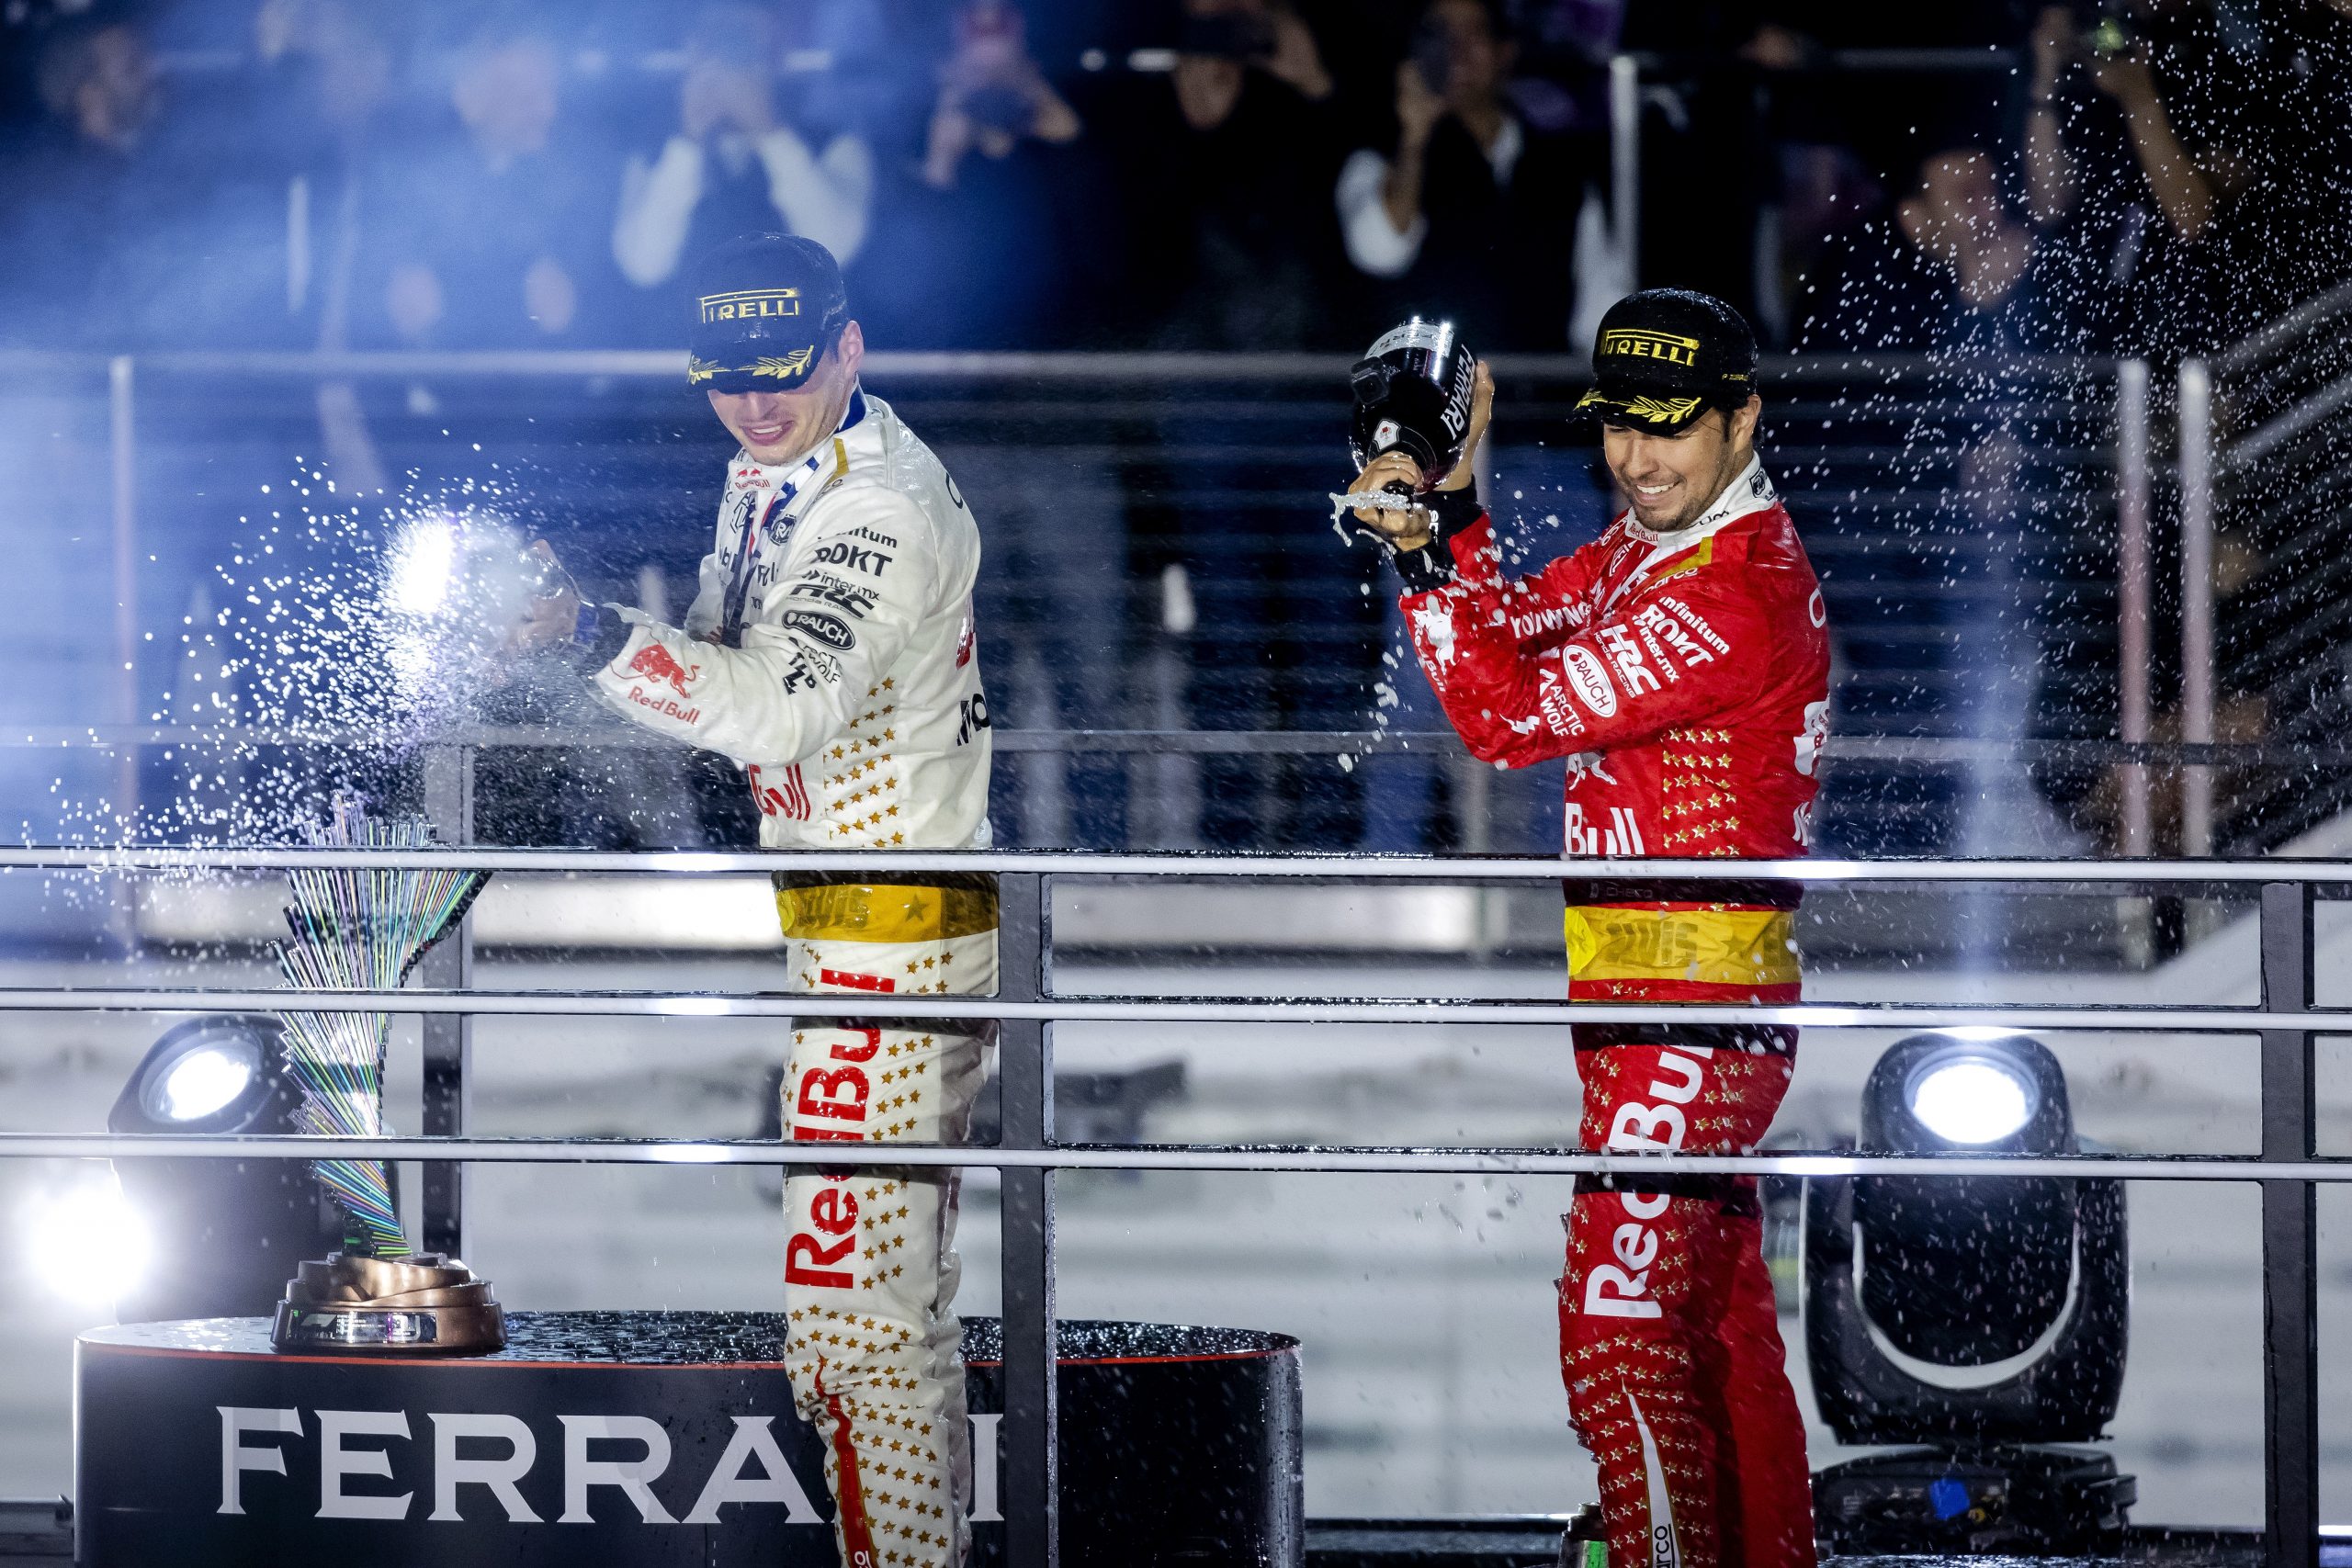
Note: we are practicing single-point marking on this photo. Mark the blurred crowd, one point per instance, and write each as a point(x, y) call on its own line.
point(1232, 174)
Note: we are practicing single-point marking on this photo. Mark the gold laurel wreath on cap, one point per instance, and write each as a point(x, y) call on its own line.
point(1661, 410)
point(791, 366)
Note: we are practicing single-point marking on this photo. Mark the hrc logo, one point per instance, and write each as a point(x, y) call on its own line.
point(749, 304)
point(1633, 344)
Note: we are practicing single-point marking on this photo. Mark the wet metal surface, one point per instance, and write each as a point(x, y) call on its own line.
point(713, 1338)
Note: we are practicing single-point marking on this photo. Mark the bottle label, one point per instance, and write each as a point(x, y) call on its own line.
point(1435, 336)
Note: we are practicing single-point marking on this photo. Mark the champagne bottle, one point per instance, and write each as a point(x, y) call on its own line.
point(1412, 395)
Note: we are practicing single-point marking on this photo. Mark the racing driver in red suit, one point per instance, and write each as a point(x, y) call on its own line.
point(1680, 663)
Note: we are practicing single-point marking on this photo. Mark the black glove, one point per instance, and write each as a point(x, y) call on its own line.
point(1431, 566)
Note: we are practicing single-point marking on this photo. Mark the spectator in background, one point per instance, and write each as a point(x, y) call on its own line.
point(489, 231)
point(75, 181)
point(131, 215)
point(981, 240)
point(325, 76)
point(739, 165)
point(1470, 214)
point(101, 82)
point(2309, 57)
point(1227, 172)
point(2141, 154)
point(1954, 268)
point(992, 98)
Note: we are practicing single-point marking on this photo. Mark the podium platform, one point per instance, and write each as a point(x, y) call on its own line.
point(641, 1440)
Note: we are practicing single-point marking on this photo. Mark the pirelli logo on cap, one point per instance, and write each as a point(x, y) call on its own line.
point(748, 304)
point(1629, 344)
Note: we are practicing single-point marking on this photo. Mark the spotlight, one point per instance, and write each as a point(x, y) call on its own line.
point(1985, 1316)
point(1970, 1099)
point(209, 1075)
point(85, 1244)
point(203, 1083)
point(223, 1235)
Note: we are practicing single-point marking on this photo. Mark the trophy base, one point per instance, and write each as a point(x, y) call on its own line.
point(424, 1305)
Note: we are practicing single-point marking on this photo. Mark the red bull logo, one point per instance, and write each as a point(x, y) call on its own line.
point(656, 662)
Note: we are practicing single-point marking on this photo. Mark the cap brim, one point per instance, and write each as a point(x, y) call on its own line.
point(1642, 410)
point(767, 372)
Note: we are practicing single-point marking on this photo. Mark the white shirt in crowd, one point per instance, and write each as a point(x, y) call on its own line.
point(1374, 242)
point(827, 197)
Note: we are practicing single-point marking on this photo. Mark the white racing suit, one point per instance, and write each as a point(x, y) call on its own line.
point(830, 651)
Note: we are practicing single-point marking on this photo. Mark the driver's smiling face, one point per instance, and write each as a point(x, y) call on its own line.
point(1671, 481)
point(783, 427)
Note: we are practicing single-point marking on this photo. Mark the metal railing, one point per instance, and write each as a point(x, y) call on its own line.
point(1028, 1007)
point(1845, 414)
point(2261, 452)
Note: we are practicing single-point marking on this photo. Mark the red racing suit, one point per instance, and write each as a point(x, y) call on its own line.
point(1685, 677)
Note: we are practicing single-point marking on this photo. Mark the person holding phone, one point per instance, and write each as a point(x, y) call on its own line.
point(743, 158)
point(1471, 204)
point(1223, 177)
point(1680, 663)
point(991, 96)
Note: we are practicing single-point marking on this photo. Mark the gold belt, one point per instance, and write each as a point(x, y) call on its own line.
point(884, 912)
point(1708, 947)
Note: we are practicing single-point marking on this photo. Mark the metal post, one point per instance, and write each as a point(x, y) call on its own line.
point(2289, 1243)
point(1025, 1081)
point(1625, 159)
point(448, 1037)
point(2197, 601)
point(123, 477)
point(2133, 593)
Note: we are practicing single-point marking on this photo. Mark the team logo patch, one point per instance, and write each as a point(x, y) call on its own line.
point(1589, 679)
point(830, 630)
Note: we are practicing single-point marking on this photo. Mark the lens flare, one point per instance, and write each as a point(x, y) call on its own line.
point(423, 561)
point(88, 1244)
point(202, 1082)
point(1971, 1100)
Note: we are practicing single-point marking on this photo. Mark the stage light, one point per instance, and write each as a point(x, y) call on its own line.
point(85, 1243)
point(209, 1075)
point(1969, 1098)
point(220, 1236)
point(1986, 1316)
point(203, 1082)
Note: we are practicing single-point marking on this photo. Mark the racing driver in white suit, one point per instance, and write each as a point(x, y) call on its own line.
point(829, 652)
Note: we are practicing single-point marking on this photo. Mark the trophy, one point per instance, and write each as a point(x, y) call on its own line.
point(364, 929)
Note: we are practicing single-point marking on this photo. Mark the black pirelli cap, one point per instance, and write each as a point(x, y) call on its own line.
point(1664, 357)
point(767, 308)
